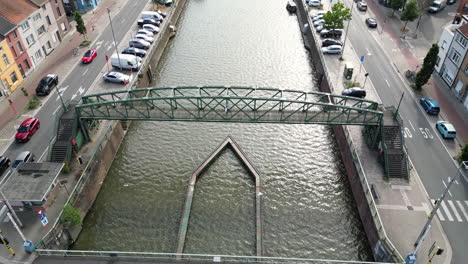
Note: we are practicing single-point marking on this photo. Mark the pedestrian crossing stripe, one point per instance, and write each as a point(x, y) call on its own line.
point(452, 210)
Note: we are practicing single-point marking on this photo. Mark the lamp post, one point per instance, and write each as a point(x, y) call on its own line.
point(347, 29)
point(113, 36)
point(61, 99)
point(464, 164)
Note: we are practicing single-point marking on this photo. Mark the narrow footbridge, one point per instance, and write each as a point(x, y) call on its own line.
point(229, 104)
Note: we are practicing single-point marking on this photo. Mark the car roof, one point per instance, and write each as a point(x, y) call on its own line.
point(372, 19)
point(22, 155)
point(448, 125)
point(432, 101)
point(27, 121)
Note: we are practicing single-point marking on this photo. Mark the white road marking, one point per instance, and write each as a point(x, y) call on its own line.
point(446, 187)
point(80, 91)
point(123, 20)
point(447, 212)
point(387, 82)
point(84, 73)
point(462, 209)
point(61, 91)
point(409, 121)
point(368, 52)
point(110, 46)
point(56, 110)
point(450, 202)
point(45, 151)
point(439, 214)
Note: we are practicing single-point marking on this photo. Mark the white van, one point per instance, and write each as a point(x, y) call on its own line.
point(127, 62)
point(151, 15)
point(437, 6)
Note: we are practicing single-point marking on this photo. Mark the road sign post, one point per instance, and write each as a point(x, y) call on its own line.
point(5, 242)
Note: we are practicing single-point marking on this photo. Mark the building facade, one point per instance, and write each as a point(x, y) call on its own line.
point(10, 76)
point(60, 18)
point(10, 32)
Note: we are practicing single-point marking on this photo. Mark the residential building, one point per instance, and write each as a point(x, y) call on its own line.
point(10, 76)
point(454, 69)
point(45, 19)
point(33, 27)
point(462, 11)
point(70, 7)
point(10, 32)
point(61, 19)
point(444, 44)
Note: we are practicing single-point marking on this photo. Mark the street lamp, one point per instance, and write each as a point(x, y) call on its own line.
point(347, 29)
point(61, 99)
point(113, 36)
point(464, 164)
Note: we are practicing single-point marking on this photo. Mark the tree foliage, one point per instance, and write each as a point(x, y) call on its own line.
point(410, 13)
point(80, 26)
point(71, 216)
point(335, 18)
point(463, 155)
point(428, 67)
point(396, 4)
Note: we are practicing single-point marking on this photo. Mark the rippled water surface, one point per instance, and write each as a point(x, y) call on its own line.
point(308, 208)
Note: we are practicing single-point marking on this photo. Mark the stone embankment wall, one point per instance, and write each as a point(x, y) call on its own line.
point(346, 155)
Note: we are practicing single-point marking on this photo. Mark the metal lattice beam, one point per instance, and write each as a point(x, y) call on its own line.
point(230, 104)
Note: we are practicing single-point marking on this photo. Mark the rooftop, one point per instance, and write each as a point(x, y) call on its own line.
point(16, 11)
point(464, 29)
point(39, 2)
point(5, 26)
point(31, 181)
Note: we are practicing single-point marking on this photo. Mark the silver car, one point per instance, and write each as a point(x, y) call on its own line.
point(116, 77)
point(144, 37)
point(139, 43)
point(332, 49)
point(151, 28)
point(145, 32)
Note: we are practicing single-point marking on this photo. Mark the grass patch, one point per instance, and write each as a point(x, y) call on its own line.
point(34, 103)
point(85, 43)
point(352, 84)
point(67, 168)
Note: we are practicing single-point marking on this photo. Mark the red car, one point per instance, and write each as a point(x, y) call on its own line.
point(27, 129)
point(89, 56)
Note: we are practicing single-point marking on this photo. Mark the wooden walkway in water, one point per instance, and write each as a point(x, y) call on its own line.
point(228, 142)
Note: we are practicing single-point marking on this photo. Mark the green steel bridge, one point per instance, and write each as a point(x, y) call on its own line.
point(229, 104)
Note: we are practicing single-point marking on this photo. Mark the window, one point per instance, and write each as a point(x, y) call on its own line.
point(38, 54)
point(455, 57)
point(41, 30)
point(58, 12)
point(13, 77)
point(449, 77)
point(30, 40)
point(444, 44)
point(461, 40)
point(64, 27)
point(5, 59)
point(24, 26)
point(20, 47)
point(14, 34)
point(20, 67)
point(48, 20)
point(48, 45)
point(26, 62)
point(36, 17)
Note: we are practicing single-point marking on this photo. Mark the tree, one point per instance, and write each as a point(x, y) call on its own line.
point(335, 18)
point(70, 216)
point(410, 13)
point(463, 155)
point(80, 26)
point(396, 4)
point(428, 67)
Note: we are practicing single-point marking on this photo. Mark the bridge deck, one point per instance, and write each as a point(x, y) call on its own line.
point(228, 142)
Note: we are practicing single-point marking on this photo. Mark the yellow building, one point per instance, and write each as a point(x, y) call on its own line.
point(10, 76)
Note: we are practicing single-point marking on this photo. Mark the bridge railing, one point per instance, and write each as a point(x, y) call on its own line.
point(370, 200)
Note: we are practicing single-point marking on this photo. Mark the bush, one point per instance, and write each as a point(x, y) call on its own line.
point(85, 43)
point(463, 155)
point(25, 93)
point(66, 168)
point(70, 217)
point(34, 103)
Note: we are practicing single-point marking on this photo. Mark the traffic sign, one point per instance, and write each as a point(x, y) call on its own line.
point(44, 221)
point(362, 58)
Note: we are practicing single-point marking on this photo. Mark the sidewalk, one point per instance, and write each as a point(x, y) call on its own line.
point(411, 55)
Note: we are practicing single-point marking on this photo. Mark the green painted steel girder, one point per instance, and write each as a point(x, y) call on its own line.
point(230, 104)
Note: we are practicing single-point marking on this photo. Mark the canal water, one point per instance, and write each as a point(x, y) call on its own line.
point(309, 211)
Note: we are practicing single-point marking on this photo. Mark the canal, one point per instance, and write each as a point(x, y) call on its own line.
point(309, 211)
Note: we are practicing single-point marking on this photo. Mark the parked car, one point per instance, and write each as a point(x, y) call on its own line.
point(151, 15)
point(437, 6)
point(116, 77)
point(134, 51)
point(89, 56)
point(451, 2)
point(151, 28)
point(27, 129)
point(331, 33)
point(354, 92)
point(139, 43)
point(167, 2)
point(332, 49)
point(318, 22)
point(371, 22)
point(430, 105)
point(153, 22)
point(329, 42)
point(319, 28)
point(145, 32)
point(4, 164)
point(161, 13)
point(362, 6)
point(446, 129)
point(125, 62)
point(319, 13)
point(317, 17)
point(46, 84)
point(25, 156)
point(144, 37)
point(315, 3)
point(291, 6)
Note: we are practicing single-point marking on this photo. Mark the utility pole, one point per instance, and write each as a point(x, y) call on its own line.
point(11, 209)
point(347, 29)
point(464, 164)
point(398, 108)
point(113, 36)
point(61, 99)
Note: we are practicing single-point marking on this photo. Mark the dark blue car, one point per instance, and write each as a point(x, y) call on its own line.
point(430, 105)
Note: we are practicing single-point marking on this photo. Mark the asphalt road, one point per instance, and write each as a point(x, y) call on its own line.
point(77, 82)
point(426, 148)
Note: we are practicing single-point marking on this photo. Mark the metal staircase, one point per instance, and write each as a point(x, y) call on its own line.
point(62, 147)
point(395, 156)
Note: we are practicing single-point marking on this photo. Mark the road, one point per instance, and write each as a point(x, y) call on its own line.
point(427, 150)
point(77, 82)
